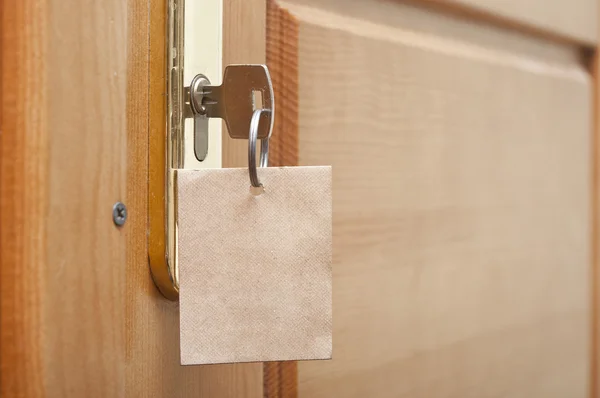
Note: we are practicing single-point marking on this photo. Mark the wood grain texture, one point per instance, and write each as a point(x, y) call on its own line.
point(244, 33)
point(63, 266)
point(577, 20)
point(23, 198)
point(153, 322)
point(80, 315)
point(83, 271)
point(63, 168)
point(557, 20)
point(282, 60)
point(461, 204)
point(281, 378)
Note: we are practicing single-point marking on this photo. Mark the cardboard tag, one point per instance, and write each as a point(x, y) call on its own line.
point(254, 271)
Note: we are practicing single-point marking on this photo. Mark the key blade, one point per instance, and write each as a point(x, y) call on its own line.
point(237, 94)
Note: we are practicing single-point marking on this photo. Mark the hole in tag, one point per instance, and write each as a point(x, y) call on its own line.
point(257, 100)
point(256, 191)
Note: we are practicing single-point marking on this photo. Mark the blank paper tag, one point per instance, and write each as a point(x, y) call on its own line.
point(254, 271)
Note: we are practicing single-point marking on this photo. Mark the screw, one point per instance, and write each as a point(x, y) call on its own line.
point(119, 214)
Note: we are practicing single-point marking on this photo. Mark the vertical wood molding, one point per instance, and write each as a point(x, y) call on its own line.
point(281, 378)
point(23, 188)
point(282, 60)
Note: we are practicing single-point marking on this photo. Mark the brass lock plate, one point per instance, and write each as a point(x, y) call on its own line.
point(173, 148)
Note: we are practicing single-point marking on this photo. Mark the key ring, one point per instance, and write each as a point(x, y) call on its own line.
point(264, 148)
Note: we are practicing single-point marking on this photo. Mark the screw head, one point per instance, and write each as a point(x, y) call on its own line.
point(119, 214)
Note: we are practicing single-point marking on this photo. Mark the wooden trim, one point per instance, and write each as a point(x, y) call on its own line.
point(139, 118)
point(282, 60)
point(281, 378)
point(481, 15)
point(23, 187)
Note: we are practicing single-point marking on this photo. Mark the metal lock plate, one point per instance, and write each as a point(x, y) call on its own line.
point(173, 147)
point(192, 139)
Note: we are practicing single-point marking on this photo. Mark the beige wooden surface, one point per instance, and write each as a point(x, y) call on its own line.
point(80, 315)
point(243, 42)
point(565, 20)
point(82, 266)
point(461, 168)
point(576, 20)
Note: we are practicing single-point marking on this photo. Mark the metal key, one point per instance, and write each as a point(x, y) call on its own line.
point(233, 101)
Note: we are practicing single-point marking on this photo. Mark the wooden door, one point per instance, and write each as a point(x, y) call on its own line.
point(461, 136)
point(82, 91)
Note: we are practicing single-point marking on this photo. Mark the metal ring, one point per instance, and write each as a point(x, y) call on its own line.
point(264, 148)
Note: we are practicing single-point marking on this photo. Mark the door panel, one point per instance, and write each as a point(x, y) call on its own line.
point(565, 20)
point(576, 20)
point(461, 158)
